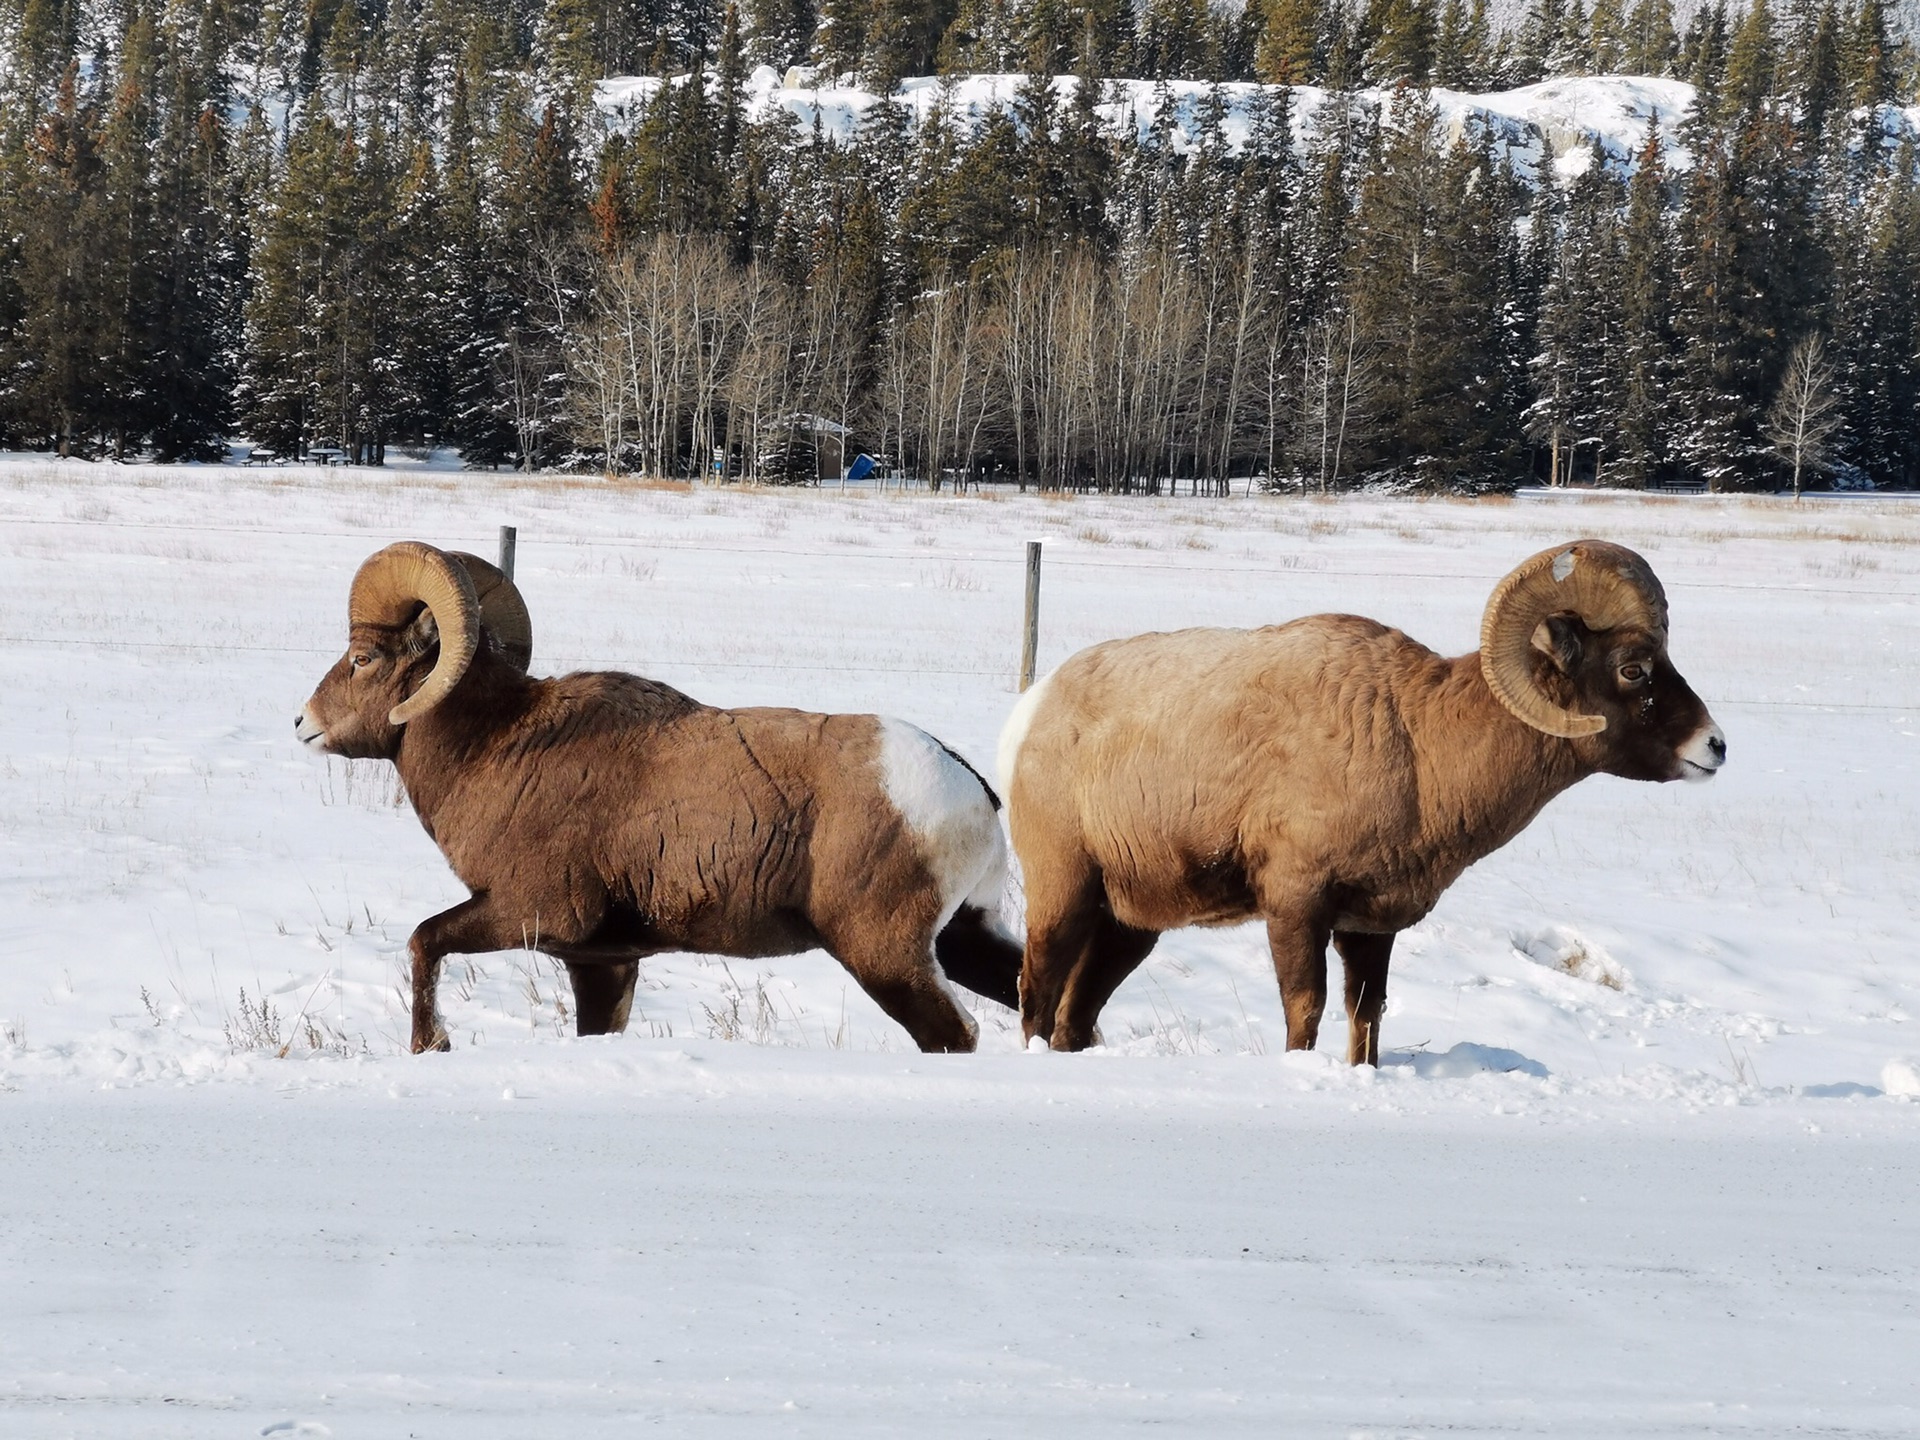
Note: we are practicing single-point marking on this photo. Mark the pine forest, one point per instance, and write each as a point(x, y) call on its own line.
point(1188, 248)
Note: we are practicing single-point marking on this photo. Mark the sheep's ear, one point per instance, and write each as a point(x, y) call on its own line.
point(421, 634)
point(1558, 637)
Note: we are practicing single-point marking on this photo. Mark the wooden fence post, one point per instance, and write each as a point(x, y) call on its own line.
point(1030, 648)
point(508, 537)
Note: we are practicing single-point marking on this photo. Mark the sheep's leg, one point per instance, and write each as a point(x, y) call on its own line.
point(469, 928)
point(924, 1009)
point(892, 959)
point(1365, 958)
point(1064, 901)
point(1053, 952)
point(1300, 965)
point(1113, 952)
point(602, 995)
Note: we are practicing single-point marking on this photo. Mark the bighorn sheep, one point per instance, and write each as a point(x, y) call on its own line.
point(1331, 776)
point(601, 818)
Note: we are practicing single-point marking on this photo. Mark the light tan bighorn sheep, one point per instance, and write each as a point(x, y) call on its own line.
point(1331, 776)
point(602, 818)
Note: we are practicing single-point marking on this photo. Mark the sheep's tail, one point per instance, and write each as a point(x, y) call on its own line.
point(993, 797)
point(976, 952)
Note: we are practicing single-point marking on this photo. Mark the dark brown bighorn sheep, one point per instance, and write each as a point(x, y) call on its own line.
point(601, 818)
point(1331, 776)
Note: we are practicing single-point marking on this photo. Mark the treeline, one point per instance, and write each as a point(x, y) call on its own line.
point(406, 225)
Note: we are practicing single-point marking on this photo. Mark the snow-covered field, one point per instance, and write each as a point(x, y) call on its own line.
point(1645, 1159)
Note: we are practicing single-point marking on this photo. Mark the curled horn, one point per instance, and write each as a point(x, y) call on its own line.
point(502, 609)
point(1605, 585)
point(389, 589)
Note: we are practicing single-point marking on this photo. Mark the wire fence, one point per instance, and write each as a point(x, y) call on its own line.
point(1013, 557)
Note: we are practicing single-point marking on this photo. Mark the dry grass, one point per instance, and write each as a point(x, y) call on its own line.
point(255, 1026)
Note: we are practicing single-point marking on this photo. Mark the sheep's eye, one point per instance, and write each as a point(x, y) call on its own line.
point(1633, 672)
point(361, 660)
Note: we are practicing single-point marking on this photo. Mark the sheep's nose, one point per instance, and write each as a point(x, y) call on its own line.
point(296, 724)
point(1718, 745)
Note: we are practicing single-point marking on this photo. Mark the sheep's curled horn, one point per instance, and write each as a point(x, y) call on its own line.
point(502, 610)
point(1605, 585)
point(462, 592)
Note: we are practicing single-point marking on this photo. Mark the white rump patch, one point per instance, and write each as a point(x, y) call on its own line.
point(945, 805)
point(1014, 733)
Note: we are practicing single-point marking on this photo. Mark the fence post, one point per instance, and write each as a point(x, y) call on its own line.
point(508, 536)
point(1030, 648)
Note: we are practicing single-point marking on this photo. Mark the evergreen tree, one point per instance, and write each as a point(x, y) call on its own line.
point(903, 38)
point(296, 263)
point(777, 32)
point(1175, 41)
point(1039, 143)
point(1288, 41)
point(1641, 361)
point(423, 317)
point(1704, 55)
point(1875, 330)
point(51, 362)
point(197, 259)
point(1813, 63)
point(1425, 256)
point(1551, 40)
point(1607, 38)
point(1751, 61)
point(1575, 408)
point(1402, 34)
point(1749, 272)
point(1873, 58)
point(1462, 48)
point(1084, 164)
point(565, 53)
point(480, 300)
point(49, 41)
point(840, 41)
point(121, 270)
point(1650, 42)
point(541, 192)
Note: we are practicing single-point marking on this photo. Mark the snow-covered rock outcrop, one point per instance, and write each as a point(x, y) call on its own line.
point(1572, 112)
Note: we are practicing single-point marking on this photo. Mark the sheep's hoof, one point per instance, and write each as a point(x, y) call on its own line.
point(436, 1041)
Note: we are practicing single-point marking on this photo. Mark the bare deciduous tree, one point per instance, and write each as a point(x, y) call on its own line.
point(1069, 368)
point(1806, 412)
point(1339, 390)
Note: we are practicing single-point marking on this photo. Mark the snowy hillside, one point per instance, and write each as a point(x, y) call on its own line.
point(1641, 1162)
point(1572, 112)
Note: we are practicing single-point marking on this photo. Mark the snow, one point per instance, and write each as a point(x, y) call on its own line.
point(1901, 1077)
point(1574, 111)
point(1640, 1162)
